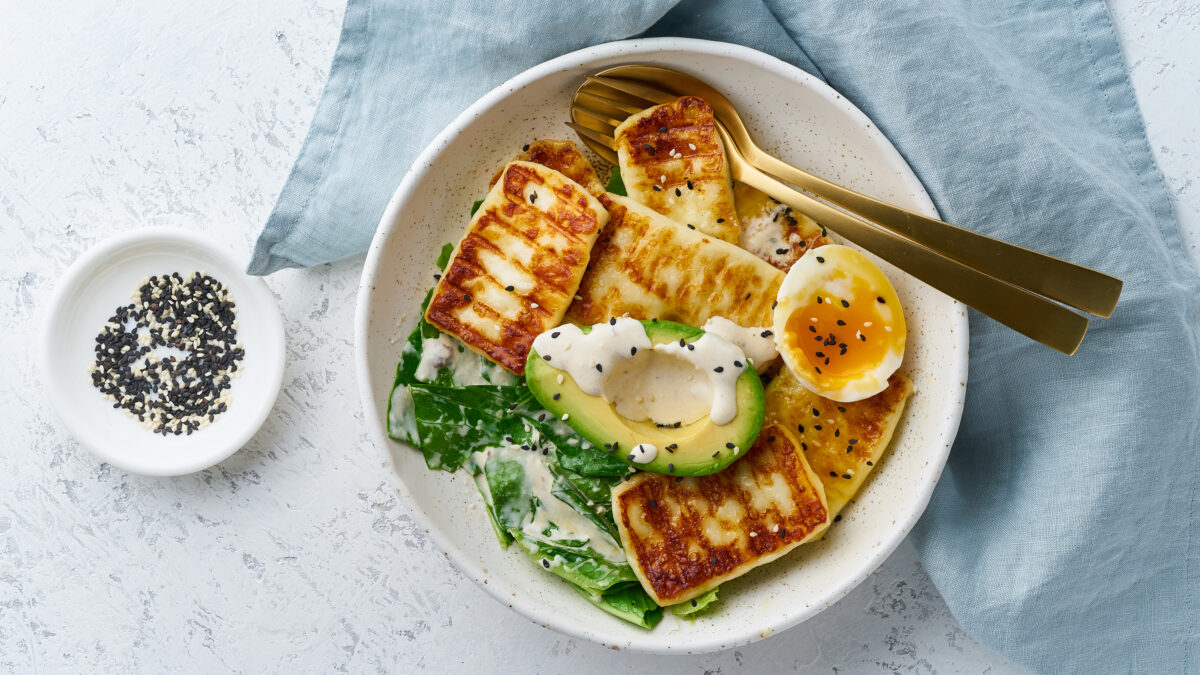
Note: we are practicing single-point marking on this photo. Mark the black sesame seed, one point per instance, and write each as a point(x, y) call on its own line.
point(532, 197)
point(841, 408)
point(833, 474)
point(546, 356)
point(870, 463)
point(729, 445)
point(738, 364)
point(817, 427)
point(837, 518)
point(720, 220)
point(812, 329)
point(678, 192)
point(820, 301)
point(691, 348)
point(656, 188)
point(780, 251)
point(525, 148)
point(691, 226)
point(816, 413)
point(719, 369)
point(716, 453)
point(841, 323)
point(556, 396)
point(765, 333)
point(846, 476)
point(689, 184)
point(771, 439)
point(845, 304)
point(599, 368)
point(555, 334)
point(545, 563)
point(670, 468)
point(612, 321)
point(633, 351)
point(818, 369)
point(648, 147)
point(820, 259)
point(800, 428)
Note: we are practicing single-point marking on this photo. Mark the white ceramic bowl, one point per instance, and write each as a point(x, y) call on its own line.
point(104, 278)
point(806, 123)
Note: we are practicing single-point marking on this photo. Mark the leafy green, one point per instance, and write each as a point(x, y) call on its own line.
point(475, 207)
point(615, 184)
point(689, 610)
point(468, 408)
point(454, 422)
point(444, 257)
point(626, 601)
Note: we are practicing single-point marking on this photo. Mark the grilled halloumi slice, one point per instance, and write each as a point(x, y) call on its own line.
point(842, 441)
point(562, 156)
point(672, 160)
point(772, 231)
point(685, 537)
point(647, 266)
point(515, 270)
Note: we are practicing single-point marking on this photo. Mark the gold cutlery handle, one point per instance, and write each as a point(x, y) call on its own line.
point(1080, 287)
point(1031, 315)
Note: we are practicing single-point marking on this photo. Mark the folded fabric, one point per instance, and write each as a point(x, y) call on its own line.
point(1064, 529)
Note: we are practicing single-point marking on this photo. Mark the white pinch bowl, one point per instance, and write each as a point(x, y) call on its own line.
point(104, 278)
point(806, 123)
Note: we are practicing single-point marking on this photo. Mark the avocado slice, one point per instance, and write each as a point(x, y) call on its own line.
point(694, 449)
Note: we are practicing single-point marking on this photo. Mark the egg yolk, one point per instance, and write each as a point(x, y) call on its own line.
point(841, 337)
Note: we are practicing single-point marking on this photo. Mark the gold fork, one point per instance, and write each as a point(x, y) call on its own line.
point(984, 273)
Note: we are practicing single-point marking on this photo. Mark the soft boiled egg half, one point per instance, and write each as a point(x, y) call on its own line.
point(838, 324)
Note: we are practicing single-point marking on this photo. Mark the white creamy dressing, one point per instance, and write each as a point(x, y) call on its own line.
point(567, 522)
point(764, 236)
point(757, 343)
point(466, 367)
point(675, 382)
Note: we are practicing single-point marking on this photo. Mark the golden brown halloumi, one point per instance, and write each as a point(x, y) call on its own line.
point(647, 266)
point(672, 160)
point(772, 231)
point(842, 441)
point(515, 270)
point(562, 156)
point(685, 537)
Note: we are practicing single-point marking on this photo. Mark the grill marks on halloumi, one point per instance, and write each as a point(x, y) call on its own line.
point(562, 156)
point(672, 160)
point(841, 441)
point(647, 266)
point(515, 270)
point(684, 537)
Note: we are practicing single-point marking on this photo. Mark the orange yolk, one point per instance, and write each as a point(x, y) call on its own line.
point(837, 339)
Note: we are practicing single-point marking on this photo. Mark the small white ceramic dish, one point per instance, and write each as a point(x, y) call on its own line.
point(104, 278)
point(806, 123)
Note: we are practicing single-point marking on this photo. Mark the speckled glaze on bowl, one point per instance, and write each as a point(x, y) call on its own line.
point(804, 122)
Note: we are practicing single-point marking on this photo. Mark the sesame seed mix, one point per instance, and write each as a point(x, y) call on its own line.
point(170, 394)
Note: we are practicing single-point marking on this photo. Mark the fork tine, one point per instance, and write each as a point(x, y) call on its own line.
point(603, 122)
point(608, 106)
point(619, 100)
point(593, 135)
point(650, 94)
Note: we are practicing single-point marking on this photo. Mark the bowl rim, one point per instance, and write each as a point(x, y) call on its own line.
point(98, 257)
point(640, 49)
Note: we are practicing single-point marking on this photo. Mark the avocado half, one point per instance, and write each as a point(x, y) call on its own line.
point(695, 449)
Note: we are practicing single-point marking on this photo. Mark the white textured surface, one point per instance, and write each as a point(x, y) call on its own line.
point(295, 553)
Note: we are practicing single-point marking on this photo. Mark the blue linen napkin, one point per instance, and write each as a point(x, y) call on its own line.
point(1064, 529)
